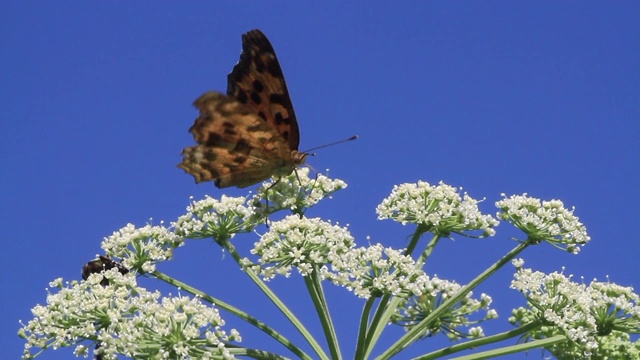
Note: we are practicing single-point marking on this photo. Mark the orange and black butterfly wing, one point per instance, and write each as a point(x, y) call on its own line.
point(252, 133)
point(257, 81)
point(236, 147)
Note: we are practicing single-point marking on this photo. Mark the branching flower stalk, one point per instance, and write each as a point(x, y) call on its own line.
point(238, 313)
point(109, 308)
point(316, 292)
point(279, 304)
point(548, 222)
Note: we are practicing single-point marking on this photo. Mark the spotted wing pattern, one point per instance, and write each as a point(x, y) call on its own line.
point(257, 80)
point(251, 134)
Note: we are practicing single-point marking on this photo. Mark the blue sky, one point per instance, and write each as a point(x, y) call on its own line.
point(496, 97)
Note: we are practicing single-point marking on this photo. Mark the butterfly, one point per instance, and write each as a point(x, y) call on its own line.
point(250, 134)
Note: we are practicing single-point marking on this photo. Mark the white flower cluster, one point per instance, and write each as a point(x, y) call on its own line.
point(300, 242)
point(417, 308)
point(219, 219)
point(85, 311)
point(374, 271)
point(438, 208)
point(620, 304)
point(580, 312)
point(544, 221)
point(222, 219)
point(295, 192)
point(141, 248)
point(309, 244)
point(110, 310)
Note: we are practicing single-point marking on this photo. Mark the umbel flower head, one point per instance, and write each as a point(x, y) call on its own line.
point(544, 221)
point(217, 219)
point(86, 312)
point(416, 308)
point(223, 219)
point(375, 271)
point(299, 242)
point(296, 192)
point(142, 248)
point(439, 209)
point(592, 317)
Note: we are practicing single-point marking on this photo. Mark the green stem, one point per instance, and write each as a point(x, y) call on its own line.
point(254, 353)
point(320, 302)
point(421, 229)
point(480, 342)
point(374, 330)
point(414, 334)
point(361, 346)
point(385, 310)
point(427, 251)
point(276, 301)
point(491, 354)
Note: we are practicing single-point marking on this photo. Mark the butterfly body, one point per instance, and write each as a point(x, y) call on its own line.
point(250, 134)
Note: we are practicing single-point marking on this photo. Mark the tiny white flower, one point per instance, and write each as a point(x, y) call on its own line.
point(517, 263)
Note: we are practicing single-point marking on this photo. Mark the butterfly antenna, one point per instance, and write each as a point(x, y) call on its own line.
point(333, 143)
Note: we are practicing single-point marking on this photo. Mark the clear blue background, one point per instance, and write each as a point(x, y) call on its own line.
point(540, 97)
